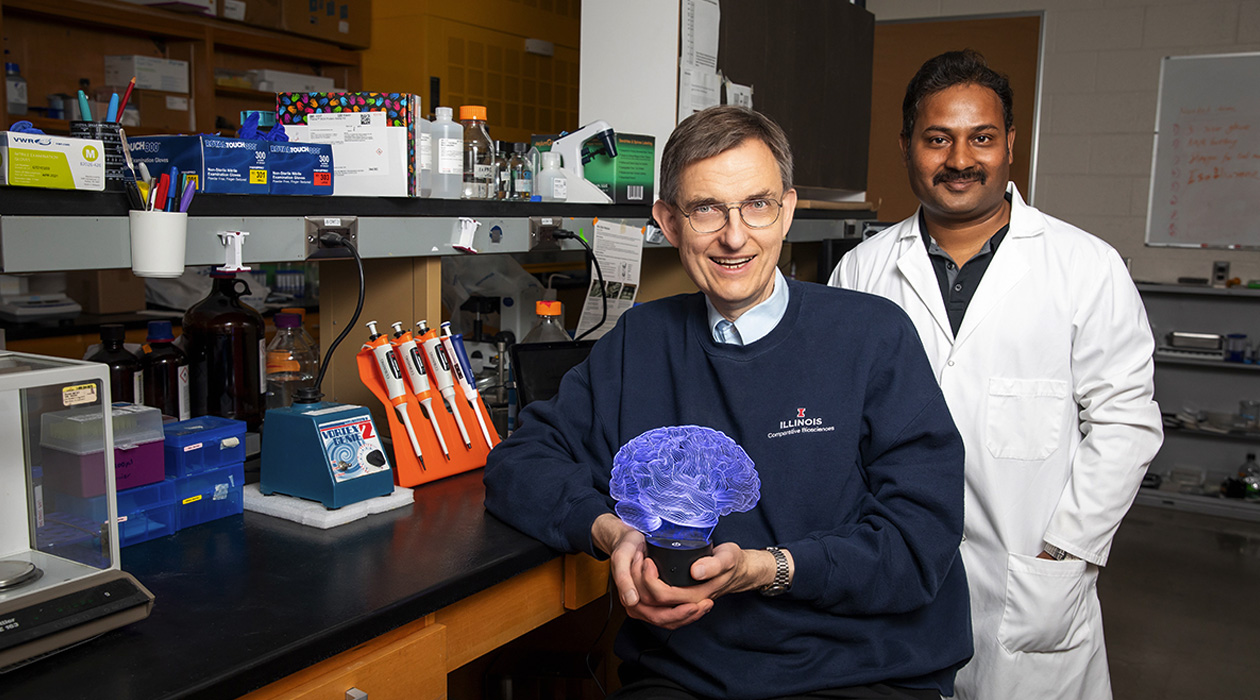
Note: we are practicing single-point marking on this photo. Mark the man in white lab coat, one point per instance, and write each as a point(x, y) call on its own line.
point(1041, 345)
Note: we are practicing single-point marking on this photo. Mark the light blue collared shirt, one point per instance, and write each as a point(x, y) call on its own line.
point(755, 323)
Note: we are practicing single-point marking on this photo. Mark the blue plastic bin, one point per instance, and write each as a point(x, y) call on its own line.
point(210, 495)
point(202, 444)
point(146, 513)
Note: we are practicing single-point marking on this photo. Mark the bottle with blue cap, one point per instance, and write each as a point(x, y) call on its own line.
point(165, 370)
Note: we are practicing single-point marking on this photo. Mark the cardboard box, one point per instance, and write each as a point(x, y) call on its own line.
point(167, 111)
point(220, 165)
point(151, 73)
point(106, 291)
point(374, 154)
point(258, 13)
point(301, 168)
point(57, 162)
point(630, 177)
point(282, 81)
point(345, 22)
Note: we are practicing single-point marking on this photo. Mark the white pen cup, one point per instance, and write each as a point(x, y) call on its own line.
point(157, 243)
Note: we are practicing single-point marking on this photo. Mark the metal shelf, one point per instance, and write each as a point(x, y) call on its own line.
point(51, 230)
point(1211, 364)
point(1206, 505)
point(1196, 290)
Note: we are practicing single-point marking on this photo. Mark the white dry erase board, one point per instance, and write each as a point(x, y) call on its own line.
point(1205, 172)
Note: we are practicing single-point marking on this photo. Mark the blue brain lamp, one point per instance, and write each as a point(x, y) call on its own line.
point(673, 483)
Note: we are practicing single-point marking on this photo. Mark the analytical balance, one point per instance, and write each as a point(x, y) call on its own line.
point(60, 580)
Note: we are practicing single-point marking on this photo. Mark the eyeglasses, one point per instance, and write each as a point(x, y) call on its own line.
point(755, 213)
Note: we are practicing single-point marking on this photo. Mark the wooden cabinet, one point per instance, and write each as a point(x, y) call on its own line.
point(58, 43)
point(476, 52)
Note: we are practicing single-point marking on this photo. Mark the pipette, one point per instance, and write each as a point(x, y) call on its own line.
point(409, 357)
point(388, 366)
point(440, 364)
point(454, 345)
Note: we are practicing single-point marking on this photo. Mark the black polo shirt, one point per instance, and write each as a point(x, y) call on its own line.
point(959, 284)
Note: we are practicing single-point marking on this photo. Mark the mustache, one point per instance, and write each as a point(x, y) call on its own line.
point(951, 175)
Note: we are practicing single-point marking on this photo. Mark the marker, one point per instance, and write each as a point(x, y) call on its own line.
point(388, 366)
point(190, 188)
point(85, 111)
point(111, 114)
point(409, 357)
point(126, 95)
point(173, 190)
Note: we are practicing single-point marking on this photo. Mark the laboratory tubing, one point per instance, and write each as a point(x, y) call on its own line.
point(448, 155)
point(549, 328)
point(478, 154)
point(126, 381)
point(551, 182)
point(165, 369)
point(522, 173)
point(391, 376)
point(409, 357)
point(15, 89)
point(292, 362)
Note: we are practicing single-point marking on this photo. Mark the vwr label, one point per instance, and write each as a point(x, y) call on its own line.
point(79, 394)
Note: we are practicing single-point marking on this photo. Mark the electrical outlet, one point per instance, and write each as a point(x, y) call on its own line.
point(317, 226)
point(542, 232)
point(1220, 273)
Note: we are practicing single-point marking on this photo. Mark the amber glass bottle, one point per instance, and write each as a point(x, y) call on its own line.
point(226, 351)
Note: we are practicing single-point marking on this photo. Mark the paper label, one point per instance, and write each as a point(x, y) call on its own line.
point(185, 406)
point(450, 156)
point(352, 447)
point(257, 177)
point(360, 140)
point(262, 365)
point(191, 499)
point(177, 104)
point(560, 187)
point(137, 383)
point(426, 152)
point(78, 394)
point(194, 446)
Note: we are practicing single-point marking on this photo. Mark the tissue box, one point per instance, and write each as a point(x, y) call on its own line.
point(57, 162)
point(218, 165)
point(373, 137)
point(301, 168)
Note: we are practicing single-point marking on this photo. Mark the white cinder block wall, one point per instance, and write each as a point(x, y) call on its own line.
point(1099, 85)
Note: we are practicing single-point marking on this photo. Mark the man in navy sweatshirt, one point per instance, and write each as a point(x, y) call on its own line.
point(844, 581)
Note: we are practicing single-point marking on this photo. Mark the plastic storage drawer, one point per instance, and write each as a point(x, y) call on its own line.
point(210, 495)
point(144, 512)
point(202, 444)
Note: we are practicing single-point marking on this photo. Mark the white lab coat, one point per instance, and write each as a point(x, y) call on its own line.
point(1050, 383)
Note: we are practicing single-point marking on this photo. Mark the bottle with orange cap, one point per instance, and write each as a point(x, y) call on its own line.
point(550, 326)
point(478, 154)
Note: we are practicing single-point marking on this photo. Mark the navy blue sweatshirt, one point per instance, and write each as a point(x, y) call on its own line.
point(861, 473)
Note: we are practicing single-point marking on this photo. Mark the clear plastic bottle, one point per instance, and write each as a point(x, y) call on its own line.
point(549, 328)
point(551, 183)
point(165, 369)
point(448, 155)
point(15, 89)
point(502, 170)
point(424, 157)
point(291, 362)
point(301, 314)
point(522, 174)
point(478, 154)
point(126, 381)
point(226, 351)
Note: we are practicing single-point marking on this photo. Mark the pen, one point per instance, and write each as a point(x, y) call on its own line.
point(85, 111)
point(111, 114)
point(134, 194)
point(126, 95)
point(172, 189)
point(190, 188)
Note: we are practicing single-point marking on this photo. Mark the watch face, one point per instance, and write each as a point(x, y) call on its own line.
point(774, 589)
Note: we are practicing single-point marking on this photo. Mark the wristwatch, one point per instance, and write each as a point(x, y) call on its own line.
point(780, 584)
point(1059, 554)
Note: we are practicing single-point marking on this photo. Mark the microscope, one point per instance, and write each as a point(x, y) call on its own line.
point(574, 156)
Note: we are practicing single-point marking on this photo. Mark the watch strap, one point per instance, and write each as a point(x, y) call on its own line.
point(782, 574)
point(1058, 553)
